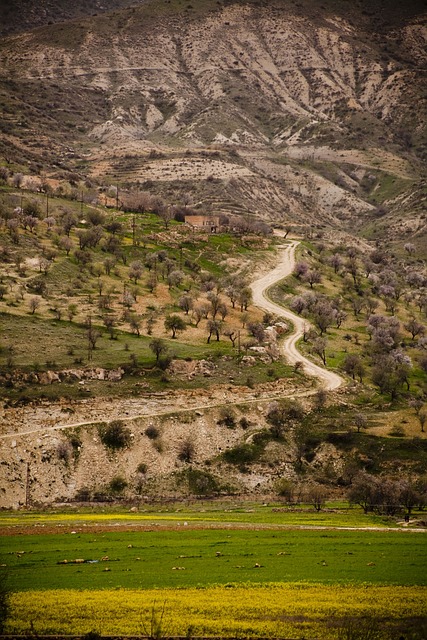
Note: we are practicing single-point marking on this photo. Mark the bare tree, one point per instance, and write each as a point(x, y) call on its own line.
point(360, 421)
point(34, 304)
point(319, 348)
point(135, 270)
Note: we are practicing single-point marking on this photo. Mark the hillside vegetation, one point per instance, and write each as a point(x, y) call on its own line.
point(133, 361)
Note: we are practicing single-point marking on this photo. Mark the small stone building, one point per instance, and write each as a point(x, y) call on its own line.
point(204, 223)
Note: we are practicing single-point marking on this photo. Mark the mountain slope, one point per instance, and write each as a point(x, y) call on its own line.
point(308, 111)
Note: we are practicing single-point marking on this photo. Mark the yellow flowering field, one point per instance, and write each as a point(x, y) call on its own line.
point(273, 610)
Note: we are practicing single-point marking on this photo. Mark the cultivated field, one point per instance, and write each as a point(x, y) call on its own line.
point(229, 571)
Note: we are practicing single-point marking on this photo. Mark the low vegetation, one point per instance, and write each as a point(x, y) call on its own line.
point(269, 577)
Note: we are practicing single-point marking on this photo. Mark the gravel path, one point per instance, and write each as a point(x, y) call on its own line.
point(329, 380)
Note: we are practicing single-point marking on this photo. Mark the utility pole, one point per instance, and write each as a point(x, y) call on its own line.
point(27, 487)
point(117, 197)
point(89, 336)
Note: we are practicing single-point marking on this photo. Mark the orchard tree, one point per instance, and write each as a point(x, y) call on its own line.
point(353, 366)
point(185, 303)
point(34, 304)
point(135, 270)
point(175, 324)
point(135, 322)
point(313, 276)
point(245, 298)
point(158, 347)
point(319, 348)
point(415, 328)
point(175, 278)
point(214, 327)
point(323, 315)
point(360, 421)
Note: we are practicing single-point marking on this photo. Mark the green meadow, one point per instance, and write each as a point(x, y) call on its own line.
point(213, 570)
point(186, 557)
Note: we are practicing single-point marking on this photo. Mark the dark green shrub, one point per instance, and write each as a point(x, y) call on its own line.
point(115, 435)
point(243, 454)
point(117, 484)
point(201, 483)
point(244, 423)
point(187, 451)
point(152, 432)
point(83, 495)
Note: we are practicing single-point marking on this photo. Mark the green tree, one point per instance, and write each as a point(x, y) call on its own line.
point(158, 347)
point(174, 323)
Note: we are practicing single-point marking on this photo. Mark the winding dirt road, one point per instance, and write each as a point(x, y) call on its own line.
point(289, 349)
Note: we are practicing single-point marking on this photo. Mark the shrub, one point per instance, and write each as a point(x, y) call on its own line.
point(227, 417)
point(187, 451)
point(64, 451)
point(244, 423)
point(117, 484)
point(397, 431)
point(75, 442)
point(152, 432)
point(243, 454)
point(142, 468)
point(83, 494)
point(115, 435)
point(200, 482)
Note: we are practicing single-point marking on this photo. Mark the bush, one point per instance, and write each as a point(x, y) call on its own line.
point(152, 432)
point(201, 483)
point(64, 451)
point(243, 454)
point(227, 417)
point(115, 435)
point(83, 495)
point(75, 442)
point(244, 423)
point(117, 484)
point(187, 451)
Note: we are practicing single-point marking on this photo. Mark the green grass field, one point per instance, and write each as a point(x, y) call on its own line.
point(210, 571)
point(186, 557)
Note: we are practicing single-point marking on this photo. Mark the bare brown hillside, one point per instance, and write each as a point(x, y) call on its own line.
point(281, 109)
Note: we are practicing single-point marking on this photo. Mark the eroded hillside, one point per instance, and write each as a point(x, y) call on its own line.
point(276, 109)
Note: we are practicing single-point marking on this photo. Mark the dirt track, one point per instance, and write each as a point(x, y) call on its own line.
point(289, 349)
